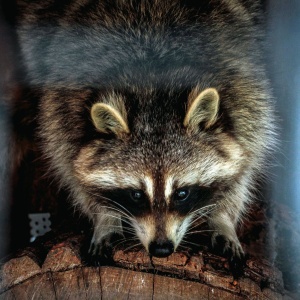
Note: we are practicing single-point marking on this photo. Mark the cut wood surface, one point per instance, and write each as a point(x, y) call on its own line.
point(55, 270)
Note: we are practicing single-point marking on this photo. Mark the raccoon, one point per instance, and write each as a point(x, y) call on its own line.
point(156, 114)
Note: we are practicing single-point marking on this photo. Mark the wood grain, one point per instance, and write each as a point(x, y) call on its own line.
point(133, 275)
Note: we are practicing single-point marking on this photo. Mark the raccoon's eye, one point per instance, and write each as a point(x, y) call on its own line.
point(137, 195)
point(181, 195)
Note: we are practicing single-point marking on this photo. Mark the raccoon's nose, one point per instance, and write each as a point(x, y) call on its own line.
point(161, 249)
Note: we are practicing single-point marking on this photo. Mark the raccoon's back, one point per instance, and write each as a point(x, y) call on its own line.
point(102, 43)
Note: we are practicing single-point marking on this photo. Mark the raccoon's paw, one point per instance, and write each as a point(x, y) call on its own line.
point(100, 252)
point(234, 252)
point(230, 245)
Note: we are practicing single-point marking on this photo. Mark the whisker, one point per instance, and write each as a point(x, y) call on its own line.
point(124, 229)
point(130, 222)
point(195, 225)
point(121, 206)
point(184, 247)
point(133, 246)
point(204, 210)
point(203, 214)
point(188, 242)
point(111, 200)
point(117, 210)
point(200, 209)
point(116, 217)
point(119, 241)
point(125, 240)
point(199, 231)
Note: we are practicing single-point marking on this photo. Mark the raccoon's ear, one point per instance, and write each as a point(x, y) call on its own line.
point(202, 109)
point(108, 119)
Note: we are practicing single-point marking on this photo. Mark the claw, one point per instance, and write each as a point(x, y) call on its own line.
point(230, 245)
point(100, 253)
point(234, 247)
point(234, 252)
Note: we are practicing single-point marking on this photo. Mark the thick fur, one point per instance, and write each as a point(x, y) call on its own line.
point(146, 62)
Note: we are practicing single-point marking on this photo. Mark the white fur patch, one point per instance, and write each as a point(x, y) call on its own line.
point(212, 167)
point(149, 186)
point(145, 230)
point(110, 179)
point(176, 228)
point(205, 175)
point(168, 187)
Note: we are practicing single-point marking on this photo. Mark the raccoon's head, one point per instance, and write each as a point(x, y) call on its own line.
point(158, 166)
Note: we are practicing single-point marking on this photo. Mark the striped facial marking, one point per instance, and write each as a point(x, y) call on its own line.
point(109, 179)
point(169, 182)
point(149, 186)
point(176, 228)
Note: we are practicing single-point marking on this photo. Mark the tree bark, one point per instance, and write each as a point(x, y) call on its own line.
point(54, 269)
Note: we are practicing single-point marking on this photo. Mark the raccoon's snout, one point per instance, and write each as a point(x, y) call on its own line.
point(161, 248)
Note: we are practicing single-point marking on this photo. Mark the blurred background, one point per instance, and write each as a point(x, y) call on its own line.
point(284, 68)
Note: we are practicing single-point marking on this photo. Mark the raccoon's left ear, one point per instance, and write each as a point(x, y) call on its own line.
point(202, 109)
point(109, 119)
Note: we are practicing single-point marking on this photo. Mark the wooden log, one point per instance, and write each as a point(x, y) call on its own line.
point(133, 275)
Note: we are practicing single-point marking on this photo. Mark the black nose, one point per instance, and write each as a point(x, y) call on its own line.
point(161, 248)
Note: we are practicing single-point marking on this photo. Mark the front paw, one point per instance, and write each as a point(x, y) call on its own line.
point(229, 245)
point(234, 252)
point(101, 252)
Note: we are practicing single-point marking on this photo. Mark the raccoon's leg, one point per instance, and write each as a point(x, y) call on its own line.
point(107, 225)
point(226, 215)
point(224, 226)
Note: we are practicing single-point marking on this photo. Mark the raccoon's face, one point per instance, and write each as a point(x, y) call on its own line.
point(159, 179)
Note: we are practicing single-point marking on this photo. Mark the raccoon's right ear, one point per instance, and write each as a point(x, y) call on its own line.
point(202, 109)
point(107, 119)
